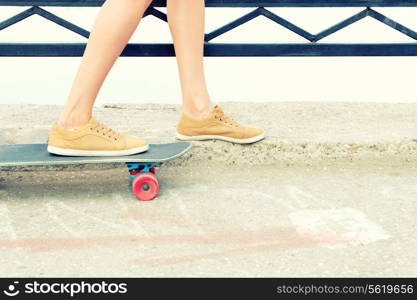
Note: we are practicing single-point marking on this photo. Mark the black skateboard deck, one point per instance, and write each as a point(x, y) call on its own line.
point(36, 155)
point(141, 166)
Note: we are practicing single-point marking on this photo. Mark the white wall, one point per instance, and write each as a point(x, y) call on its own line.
point(133, 80)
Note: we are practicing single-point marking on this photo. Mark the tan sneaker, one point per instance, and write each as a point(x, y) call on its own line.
point(93, 139)
point(217, 126)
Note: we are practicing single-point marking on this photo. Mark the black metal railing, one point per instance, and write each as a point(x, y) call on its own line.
point(312, 46)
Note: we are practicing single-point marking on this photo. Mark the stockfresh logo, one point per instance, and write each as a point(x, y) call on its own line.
point(12, 290)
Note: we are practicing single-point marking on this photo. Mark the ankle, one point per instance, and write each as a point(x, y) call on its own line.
point(198, 112)
point(73, 120)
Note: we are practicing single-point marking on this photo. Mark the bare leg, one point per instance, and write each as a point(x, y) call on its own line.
point(186, 20)
point(115, 24)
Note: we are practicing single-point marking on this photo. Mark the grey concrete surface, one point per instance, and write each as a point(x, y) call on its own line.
point(330, 192)
point(214, 220)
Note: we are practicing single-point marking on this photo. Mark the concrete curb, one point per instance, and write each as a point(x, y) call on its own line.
point(298, 133)
point(274, 151)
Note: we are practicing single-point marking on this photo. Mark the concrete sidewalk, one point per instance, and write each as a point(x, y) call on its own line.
point(297, 133)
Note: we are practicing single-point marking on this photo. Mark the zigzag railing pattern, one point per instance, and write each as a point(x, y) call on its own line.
point(310, 48)
point(261, 11)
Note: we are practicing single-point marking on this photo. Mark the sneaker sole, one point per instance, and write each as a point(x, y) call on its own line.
point(220, 137)
point(74, 152)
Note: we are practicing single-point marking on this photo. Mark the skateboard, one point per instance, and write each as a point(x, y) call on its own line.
point(141, 166)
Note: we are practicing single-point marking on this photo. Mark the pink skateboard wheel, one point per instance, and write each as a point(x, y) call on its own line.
point(145, 186)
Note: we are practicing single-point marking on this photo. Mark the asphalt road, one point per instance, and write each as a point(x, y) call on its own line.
point(211, 220)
